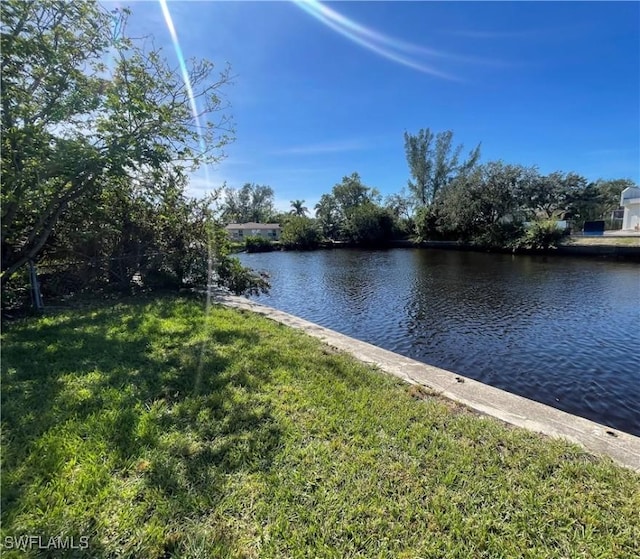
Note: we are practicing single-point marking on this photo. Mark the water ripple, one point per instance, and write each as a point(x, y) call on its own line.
point(565, 332)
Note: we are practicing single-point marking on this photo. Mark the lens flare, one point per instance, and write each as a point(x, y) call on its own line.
point(194, 110)
point(185, 74)
point(379, 43)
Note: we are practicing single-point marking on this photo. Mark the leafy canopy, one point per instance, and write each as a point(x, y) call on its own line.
point(434, 162)
point(71, 124)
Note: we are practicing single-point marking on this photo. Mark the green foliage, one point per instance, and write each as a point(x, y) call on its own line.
point(16, 293)
point(227, 271)
point(251, 203)
point(434, 165)
point(549, 196)
point(369, 224)
point(300, 233)
point(351, 193)
point(498, 235)
point(256, 243)
point(427, 223)
point(240, 280)
point(336, 211)
point(164, 428)
point(94, 169)
point(477, 207)
point(329, 216)
point(486, 205)
point(158, 236)
point(400, 205)
point(68, 132)
point(543, 234)
point(298, 208)
point(596, 200)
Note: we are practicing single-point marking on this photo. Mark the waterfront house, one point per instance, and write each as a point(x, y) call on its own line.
point(630, 201)
point(240, 231)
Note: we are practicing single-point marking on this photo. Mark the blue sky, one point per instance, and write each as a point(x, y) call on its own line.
point(552, 84)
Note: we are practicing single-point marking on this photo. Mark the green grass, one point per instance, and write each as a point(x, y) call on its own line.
point(161, 431)
point(602, 241)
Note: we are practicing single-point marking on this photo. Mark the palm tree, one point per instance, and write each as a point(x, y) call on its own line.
point(298, 208)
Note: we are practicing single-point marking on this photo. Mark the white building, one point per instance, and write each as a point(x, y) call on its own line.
point(630, 201)
point(240, 231)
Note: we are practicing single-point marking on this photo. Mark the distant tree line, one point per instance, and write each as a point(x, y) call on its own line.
point(455, 198)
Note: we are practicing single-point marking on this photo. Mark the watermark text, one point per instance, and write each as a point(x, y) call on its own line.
point(25, 542)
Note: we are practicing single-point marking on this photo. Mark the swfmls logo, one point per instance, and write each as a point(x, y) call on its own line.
point(22, 543)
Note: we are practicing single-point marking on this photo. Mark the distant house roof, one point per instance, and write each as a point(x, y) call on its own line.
point(252, 226)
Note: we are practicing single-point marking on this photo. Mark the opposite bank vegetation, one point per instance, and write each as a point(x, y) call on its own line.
point(158, 427)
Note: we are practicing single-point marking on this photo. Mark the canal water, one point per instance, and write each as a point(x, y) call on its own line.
point(562, 331)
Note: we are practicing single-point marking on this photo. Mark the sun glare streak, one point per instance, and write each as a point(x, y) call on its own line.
point(385, 53)
point(314, 5)
point(379, 43)
point(194, 109)
point(183, 69)
point(365, 37)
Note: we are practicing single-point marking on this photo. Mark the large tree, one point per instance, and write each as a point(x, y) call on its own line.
point(334, 210)
point(433, 162)
point(71, 124)
point(596, 200)
point(300, 232)
point(352, 213)
point(351, 193)
point(250, 203)
point(329, 216)
point(479, 202)
point(549, 196)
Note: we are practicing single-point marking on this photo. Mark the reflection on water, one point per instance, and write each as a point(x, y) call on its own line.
point(565, 332)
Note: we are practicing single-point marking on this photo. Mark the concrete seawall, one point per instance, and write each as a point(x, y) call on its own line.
point(598, 439)
point(604, 251)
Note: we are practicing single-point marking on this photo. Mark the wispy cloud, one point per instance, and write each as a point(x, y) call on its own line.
point(487, 34)
point(541, 33)
point(325, 147)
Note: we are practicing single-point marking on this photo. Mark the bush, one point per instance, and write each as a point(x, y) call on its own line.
point(369, 224)
point(543, 235)
point(427, 224)
point(500, 235)
point(300, 233)
point(258, 244)
point(404, 228)
point(161, 279)
point(233, 276)
point(16, 293)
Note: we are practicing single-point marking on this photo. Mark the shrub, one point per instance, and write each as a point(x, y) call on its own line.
point(161, 279)
point(500, 235)
point(233, 276)
point(369, 224)
point(427, 224)
point(543, 235)
point(300, 233)
point(258, 244)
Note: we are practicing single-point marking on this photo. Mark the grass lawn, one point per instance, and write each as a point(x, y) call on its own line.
point(159, 430)
point(602, 241)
